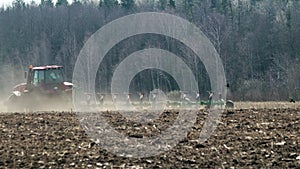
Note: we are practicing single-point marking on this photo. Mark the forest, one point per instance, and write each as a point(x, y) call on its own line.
point(257, 40)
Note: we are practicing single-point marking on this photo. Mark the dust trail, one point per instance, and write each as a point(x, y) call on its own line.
point(2, 107)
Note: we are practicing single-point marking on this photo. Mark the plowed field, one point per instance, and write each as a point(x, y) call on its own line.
point(253, 137)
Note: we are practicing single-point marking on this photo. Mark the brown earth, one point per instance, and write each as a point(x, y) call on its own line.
point(245, 138)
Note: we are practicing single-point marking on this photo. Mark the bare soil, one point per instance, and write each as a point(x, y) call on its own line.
point(245, 138)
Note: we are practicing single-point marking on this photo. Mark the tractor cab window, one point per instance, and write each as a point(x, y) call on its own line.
point(54, 76)
point(38, 77)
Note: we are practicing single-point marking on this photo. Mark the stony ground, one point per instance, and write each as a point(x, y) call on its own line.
point(245, 138)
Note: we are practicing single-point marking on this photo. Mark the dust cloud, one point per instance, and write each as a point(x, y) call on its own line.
point(9, 77)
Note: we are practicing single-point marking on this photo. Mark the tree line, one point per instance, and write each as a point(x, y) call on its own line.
point(257, 41)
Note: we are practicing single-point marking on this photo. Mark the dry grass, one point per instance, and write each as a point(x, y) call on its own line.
point(267, 105)
point(237, 105)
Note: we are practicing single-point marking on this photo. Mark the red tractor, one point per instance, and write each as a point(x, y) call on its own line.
point(45, 88)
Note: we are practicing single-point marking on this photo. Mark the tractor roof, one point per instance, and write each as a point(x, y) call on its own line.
point(46, 67)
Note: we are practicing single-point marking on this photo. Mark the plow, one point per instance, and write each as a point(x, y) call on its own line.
point(106, 101)
point(205, 103)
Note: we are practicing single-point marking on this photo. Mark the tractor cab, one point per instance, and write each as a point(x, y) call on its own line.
point(49, 79)
point(45, 75)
